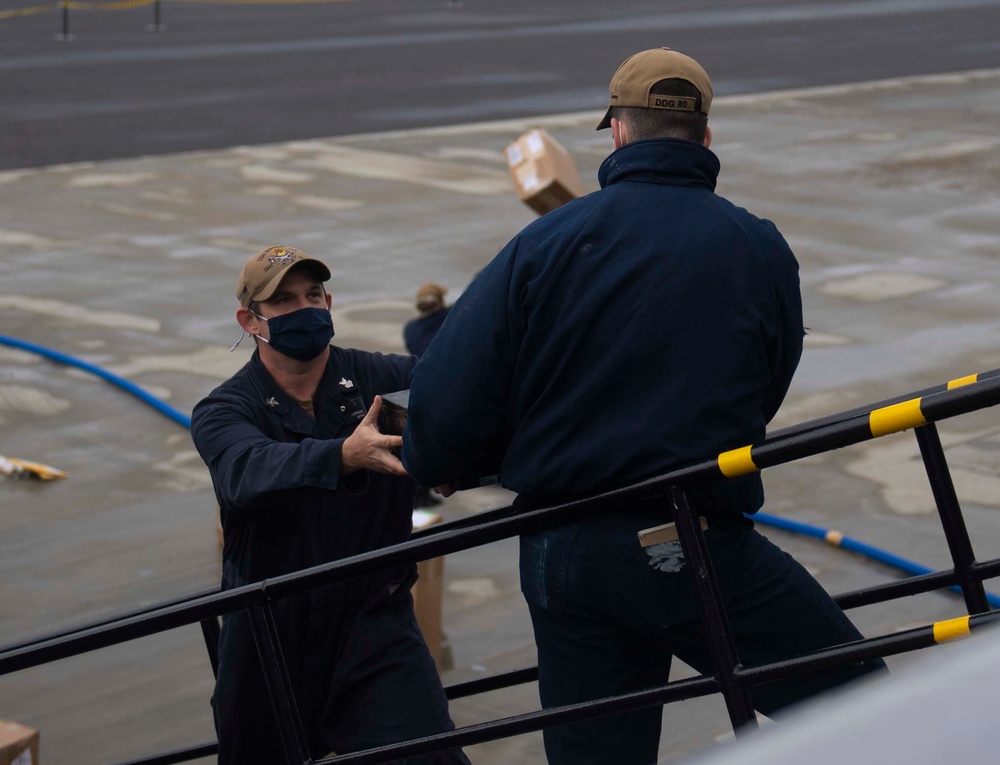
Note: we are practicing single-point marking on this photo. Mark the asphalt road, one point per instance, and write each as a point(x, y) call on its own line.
point(225, 74)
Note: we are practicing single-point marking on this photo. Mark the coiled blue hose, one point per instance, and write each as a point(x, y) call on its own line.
point(833, 537)
point(121, 382)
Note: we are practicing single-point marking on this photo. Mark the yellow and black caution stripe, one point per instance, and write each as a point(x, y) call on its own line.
point(737, 462)
point(963, 626)
point(963, 394)
point(951, 629)
point(885, 645)
point(958, 382)
point(896, 418)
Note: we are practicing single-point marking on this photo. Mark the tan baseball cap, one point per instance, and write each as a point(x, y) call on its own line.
point(640, 72)
point(263, 272)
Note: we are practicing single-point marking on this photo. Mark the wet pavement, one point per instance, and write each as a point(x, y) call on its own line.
point(886, 192)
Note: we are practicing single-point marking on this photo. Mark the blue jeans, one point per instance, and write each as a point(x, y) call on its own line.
point(609, 615)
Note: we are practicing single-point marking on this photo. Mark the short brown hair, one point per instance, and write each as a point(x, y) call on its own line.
point(662, 123)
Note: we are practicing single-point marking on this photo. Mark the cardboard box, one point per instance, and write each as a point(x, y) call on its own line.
point(18, 744)
point(544, 173)
point(428, 593)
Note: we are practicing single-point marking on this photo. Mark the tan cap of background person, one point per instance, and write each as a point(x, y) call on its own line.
point(263, 272)
point(640, 72)
point(430, 297)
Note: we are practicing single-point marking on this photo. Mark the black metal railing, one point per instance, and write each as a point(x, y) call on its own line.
point(917, 411)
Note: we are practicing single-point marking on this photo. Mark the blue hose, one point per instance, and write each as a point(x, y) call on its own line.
point(833, 537)
point(121, 382)
point(837, 539)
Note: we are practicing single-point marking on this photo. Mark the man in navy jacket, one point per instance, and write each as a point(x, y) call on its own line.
point(304, 477)
point(643, 327)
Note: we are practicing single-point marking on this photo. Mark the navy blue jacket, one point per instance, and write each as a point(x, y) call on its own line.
point(642, 327)
point(418, 333)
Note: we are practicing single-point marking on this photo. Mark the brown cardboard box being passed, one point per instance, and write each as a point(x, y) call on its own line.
point(544, 173)
point(18, 744)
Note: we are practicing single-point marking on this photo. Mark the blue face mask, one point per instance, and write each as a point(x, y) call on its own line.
point(301, 334)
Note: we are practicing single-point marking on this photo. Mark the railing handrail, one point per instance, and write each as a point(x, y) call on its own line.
point(506, 522)
point(866, 409)
point(149, 608)
point(699, 685)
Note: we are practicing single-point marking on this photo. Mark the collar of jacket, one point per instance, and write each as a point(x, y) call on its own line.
point(290, 414)
point(668, 161)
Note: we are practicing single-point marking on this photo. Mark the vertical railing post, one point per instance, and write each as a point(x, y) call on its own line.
point(156, 26)
point(64, 36)
point(279, 686)
point(950, 511)
point(713, 613)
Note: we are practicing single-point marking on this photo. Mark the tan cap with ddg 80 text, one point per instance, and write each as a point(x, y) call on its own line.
point(638, 74)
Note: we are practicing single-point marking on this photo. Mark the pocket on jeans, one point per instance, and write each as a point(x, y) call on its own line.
point(545, 567)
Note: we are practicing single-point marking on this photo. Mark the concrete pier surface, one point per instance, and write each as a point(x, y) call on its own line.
point(886, 192)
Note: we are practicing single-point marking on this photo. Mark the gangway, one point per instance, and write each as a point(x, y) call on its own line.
point(918, 411)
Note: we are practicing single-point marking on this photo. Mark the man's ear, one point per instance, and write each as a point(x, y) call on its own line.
point(619, 133)
point(708, 137)
point(247, 320)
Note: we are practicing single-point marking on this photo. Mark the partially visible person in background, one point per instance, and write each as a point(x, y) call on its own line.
point(417, 334)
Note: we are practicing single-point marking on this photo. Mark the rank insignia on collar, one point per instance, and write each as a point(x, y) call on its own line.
point(272, 402)
point(345, 383)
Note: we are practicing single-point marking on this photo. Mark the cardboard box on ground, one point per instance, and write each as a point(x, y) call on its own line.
point(428, 594)
point(544, 173)
point(18, 744)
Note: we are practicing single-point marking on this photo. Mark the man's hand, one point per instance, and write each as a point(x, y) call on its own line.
point(445, 490)
point(367, 449)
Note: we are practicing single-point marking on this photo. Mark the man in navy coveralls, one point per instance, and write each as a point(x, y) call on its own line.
point(304, 477)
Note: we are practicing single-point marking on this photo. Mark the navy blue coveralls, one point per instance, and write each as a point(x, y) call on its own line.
point(359, 667)
point(646, 326)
